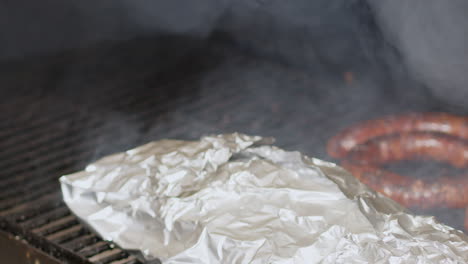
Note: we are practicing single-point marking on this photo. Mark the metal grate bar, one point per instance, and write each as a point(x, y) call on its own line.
point(44, 122)
point(47, 161)
point(44, 217)
point(53, 143)
point(94, 249)
point(41, 208)
point(9, 193)
point(33, 104)
point(28, 130)
point(107, 256)
point(33, 140)
point(36, 103)
point(81, 242)
point(55, 225)
point(31, 204)
point(27, 196)
point(127, 260)
point(66, 234)
point(46, 171)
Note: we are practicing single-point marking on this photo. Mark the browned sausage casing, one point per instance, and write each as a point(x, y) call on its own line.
point(410, 146)
point(341, 144)
point(434, 136)
point(448, 191)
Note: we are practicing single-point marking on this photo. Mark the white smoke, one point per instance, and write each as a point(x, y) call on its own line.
point(432, 37)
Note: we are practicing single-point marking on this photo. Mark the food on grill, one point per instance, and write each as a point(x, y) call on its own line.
point(447, 191)
point(235, 199)
point(418, 145)
point(441, 137)
point(340, 145)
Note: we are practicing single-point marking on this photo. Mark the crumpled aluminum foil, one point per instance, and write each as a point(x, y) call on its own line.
point(235, 199)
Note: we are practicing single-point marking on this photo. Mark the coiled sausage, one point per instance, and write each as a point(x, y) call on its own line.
point(341, 144)
point(442, 137)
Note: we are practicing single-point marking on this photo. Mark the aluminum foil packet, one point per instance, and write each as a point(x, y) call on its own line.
point(236, 199)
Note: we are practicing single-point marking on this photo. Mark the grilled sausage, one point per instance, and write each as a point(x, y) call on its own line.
point(341, 144)
point(447, 191)
point(410, 146)
point(434, 136)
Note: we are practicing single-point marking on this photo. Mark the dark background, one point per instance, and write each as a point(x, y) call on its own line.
point(427, 37)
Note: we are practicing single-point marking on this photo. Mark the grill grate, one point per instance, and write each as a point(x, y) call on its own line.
point(45, 136)
point(35, 150)
point(73, 116)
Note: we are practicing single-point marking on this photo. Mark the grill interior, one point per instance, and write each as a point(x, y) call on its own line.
point(89, 103)
point(52, 129)
point(36, 150)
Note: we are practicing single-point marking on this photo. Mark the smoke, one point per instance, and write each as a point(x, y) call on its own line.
point(299, 71)
point(429, 37)
point(174, 17)
point(32, 28)
point(432, 38)
point(324, 59)
point(307, 34)
point(321, 59)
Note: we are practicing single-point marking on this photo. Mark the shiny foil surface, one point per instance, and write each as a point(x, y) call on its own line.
point(236, 199)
